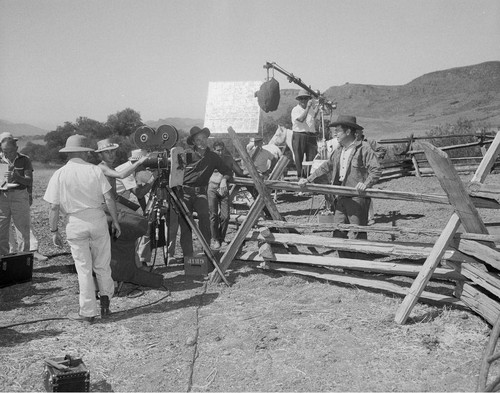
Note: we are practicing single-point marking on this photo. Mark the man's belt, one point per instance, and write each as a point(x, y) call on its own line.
point(199, 190)
point(307, 133)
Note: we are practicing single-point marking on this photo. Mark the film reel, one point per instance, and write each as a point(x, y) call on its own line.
point(165, 137)
point(143, 137)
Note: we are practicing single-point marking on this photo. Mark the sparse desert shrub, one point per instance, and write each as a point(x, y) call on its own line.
point(457, 134)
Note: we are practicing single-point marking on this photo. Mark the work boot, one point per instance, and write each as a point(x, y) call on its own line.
point(215, 245)
point(105, 306)
point(80, 318)
point(39, 257)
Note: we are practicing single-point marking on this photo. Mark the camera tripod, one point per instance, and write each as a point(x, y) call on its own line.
point(166, 197)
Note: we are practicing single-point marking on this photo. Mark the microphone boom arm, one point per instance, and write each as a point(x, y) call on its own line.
point(298, 81)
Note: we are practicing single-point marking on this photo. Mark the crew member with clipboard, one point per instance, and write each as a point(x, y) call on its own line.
point(16, 175)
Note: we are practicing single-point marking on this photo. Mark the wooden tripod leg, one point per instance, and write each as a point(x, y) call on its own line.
point(184, 212)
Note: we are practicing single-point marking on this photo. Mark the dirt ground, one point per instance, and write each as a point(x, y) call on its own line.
point(266, 332)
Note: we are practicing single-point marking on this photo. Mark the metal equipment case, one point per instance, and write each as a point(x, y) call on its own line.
point(16, 268)
point(66, 375)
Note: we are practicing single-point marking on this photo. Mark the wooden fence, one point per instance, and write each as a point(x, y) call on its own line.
point(413, 161)
point(469, 260)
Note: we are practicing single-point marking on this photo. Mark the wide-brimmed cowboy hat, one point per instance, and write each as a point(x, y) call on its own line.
point(106, 144)
point(303, 93)
point(7, 135)
point(137, 154)
point(195, 131)
point(349, 121)
point(76, 143)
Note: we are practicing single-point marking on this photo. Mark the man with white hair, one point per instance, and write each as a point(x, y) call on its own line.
point(78, 190)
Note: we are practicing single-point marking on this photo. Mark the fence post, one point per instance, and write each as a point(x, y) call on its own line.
point(413, 158)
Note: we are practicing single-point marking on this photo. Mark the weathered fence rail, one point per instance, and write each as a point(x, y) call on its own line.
point(469, 260)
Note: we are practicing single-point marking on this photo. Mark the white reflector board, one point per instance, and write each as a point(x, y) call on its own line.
point(232, 104)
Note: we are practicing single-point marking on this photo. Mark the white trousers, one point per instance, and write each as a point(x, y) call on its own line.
point(15, 206)
point(15, 240)
point(88, 236)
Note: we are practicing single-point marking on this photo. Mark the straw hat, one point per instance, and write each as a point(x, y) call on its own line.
point(349, 121)
point(137, 154)
point(195, 131)
point(106, 144)
point(5, 135)
point(303, 93)
point(76, 143)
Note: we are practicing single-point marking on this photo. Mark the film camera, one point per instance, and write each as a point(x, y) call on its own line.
point(166, 162)
point(156, 142)
point(166, 191)
point(163, 138)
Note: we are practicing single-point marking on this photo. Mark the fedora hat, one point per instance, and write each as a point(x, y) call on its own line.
point(76, 143)
point(256, 139)
point(106, 144)
point(349, 121)
point(137, 154)
point(303, 93)
point(195, 131)
point(5, 135)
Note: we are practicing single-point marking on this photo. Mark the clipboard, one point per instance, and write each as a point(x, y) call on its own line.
point(4, 186)
point(4, 168)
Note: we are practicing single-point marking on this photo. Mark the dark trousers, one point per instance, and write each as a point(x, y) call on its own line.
point(303, 143)
point(195, 202)
point(351, 210)
point(219, 212)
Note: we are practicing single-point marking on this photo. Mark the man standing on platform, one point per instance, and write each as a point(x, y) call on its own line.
point(78, 190)
point(304, 130)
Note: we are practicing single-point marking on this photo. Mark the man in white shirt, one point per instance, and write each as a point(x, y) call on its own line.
point(78, 190)
point(304, 130)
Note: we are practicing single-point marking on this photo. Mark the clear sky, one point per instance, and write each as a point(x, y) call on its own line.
point(61, 59)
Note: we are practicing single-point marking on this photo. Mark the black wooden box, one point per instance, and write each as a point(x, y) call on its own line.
point(66, 375)
point(16, 268)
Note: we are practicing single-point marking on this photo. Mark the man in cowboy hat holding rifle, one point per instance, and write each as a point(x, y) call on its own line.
point(78, 190)
point(304, 130)
point(353, 164)
point(200, 165)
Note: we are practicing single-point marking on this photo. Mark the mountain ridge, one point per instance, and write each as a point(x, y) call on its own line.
point(436, 98)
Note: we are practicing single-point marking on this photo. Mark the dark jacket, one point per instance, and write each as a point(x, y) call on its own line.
point(199, 168)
